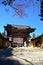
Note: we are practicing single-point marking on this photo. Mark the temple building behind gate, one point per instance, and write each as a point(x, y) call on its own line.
point(18, 35)
point(37, 42)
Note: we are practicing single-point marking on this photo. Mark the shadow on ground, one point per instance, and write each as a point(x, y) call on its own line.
point(5, 60)
point(6, 52)
point(29, 62)
point(4, 57)
point(9, 62)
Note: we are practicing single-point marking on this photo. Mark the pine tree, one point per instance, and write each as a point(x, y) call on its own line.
point(41, 10)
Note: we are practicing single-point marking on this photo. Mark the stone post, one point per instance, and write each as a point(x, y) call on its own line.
point(25, 44)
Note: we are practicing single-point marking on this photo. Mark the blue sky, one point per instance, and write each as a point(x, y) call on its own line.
point(32, 19)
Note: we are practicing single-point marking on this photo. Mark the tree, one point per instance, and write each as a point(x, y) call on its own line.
point(41, 11)
point(34, 35)
point(3, 33)
point(19, 5)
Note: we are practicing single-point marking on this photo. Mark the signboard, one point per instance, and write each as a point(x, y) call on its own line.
point(18, 40)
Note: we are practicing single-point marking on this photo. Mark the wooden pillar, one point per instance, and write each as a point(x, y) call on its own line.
point(42, 41)
point(1, 40)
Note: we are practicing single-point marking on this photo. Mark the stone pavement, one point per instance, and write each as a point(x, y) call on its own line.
point(21, 56)
point(33, 55)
